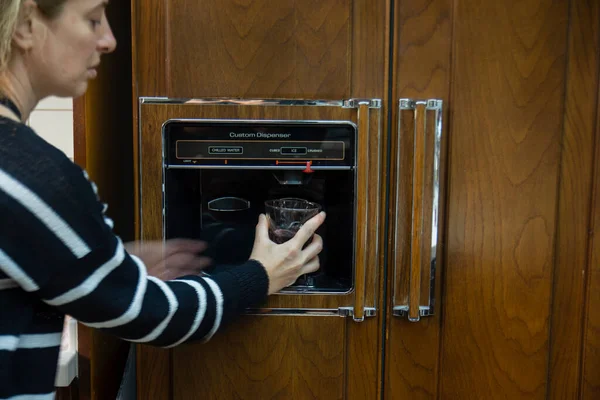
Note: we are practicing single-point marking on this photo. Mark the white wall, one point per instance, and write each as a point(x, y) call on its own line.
point(52, 119)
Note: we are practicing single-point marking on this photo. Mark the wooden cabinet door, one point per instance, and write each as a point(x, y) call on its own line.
point(516, 272)
point(266, 49)
point(519, 81)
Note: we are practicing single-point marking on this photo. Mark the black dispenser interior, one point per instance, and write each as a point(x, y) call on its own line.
point(219, 199)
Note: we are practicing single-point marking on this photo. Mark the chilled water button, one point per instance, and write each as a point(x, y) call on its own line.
point(293, 150)
point(225, 150)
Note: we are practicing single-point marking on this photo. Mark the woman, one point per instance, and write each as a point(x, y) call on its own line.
point(58, 254)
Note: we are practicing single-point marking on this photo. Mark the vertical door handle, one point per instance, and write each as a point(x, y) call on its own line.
point(362, 212)
point(368, 185)
point(417, 203)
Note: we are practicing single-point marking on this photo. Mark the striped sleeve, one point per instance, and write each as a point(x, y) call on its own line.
point(61, 247)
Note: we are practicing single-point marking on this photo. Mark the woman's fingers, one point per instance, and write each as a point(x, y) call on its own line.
point(314, 248)
point(188, 261)
point(311, 266)
point(174, 246)
point(307, 230)
point(262, 229)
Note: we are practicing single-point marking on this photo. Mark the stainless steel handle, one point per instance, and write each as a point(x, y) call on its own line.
point(362, 216)
point(417, 202)
point(367, 208)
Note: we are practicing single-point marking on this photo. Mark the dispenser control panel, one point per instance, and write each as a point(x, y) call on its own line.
point(259, 143)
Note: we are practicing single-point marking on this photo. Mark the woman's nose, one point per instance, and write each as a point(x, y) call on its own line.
point(107, 43)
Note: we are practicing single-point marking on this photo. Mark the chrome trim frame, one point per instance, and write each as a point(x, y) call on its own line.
point(349, 103)
point(380, 210)
point(140, 174)
point(266, 121)
point(241, 102)
point(310, 291)
point(354, 103)
point(310, 312)
point(270, 167)
point(402, 311)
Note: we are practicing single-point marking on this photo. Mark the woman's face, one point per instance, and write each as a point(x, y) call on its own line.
point(67, 49)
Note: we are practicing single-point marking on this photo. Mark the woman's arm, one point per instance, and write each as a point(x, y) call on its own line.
point(61, 247)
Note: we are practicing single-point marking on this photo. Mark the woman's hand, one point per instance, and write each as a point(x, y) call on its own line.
point(171, 259)
point(286, 262)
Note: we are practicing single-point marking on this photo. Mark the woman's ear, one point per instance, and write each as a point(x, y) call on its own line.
point(23, 35)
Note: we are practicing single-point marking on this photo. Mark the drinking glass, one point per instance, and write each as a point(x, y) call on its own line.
point(286, 216)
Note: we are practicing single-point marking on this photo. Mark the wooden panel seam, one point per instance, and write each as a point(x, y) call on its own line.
point(556, 233)
point(135, 113)
point(594, 232)
point(575, 191)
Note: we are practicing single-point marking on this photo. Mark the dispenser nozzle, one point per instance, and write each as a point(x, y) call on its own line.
point(293, 177)
point(308, 169)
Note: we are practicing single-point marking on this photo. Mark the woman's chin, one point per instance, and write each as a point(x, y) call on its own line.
point(76, 90)
point(79, 90)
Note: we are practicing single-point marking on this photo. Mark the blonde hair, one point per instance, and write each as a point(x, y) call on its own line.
point(9, 13)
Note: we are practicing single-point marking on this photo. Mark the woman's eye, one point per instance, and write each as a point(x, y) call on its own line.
point(95, 23)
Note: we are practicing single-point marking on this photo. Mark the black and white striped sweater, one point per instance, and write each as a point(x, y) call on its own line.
point(58, 255)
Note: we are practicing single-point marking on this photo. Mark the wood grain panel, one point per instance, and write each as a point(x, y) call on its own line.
point(259, 48)
point(275, 358)
point(403, 204)
point(149, 23)
point(108, 358)
point(79, 124)
point(363, 348)
point(153, 373)
point(323, 48)
point(571, 258)
point(508, 101)
point(421, 70)
point(591, 356)
point(70, 392)
point(84, 357)
point(374, 229)
point(369, 52)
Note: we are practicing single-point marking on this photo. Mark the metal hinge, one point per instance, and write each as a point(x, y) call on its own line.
point(402, 311)
point(354, 103)
point(410, 104)
point(349, 312)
